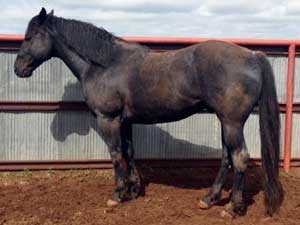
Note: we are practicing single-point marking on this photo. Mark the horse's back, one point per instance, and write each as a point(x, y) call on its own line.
point(176, 84)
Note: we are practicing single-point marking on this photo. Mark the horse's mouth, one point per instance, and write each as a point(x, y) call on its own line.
point(27, 72)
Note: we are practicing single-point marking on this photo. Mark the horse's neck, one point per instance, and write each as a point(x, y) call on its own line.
point(72, 59)
point(79, 66)
point(127, 48)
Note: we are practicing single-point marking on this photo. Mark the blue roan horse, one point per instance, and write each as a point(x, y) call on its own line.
point(125, 83)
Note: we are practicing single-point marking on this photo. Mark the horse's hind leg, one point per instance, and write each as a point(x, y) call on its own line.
point(235, 143)
point(214, 194)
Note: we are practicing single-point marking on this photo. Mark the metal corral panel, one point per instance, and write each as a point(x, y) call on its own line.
point(47, 136)
point(195, 137)
point(297, 82)
point(295, 137)
point(279, 65)
point(73, 136)
point(50, 82)
point(252, 135)
point(53, 81)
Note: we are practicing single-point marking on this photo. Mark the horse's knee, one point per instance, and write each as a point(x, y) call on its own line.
point(240, 159)
point(117, 158)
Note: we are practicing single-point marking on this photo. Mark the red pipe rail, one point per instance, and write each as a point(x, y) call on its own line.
point(289, 107)
point(190, 41)
point(183, 40)
point(12, 42)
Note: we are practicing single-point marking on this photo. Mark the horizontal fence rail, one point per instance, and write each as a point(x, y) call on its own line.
point(288, 48)
point(37, 106)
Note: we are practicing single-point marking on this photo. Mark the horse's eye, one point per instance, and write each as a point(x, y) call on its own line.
point(27, 38)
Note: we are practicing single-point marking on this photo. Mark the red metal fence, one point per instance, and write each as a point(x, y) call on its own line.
point(275, 46)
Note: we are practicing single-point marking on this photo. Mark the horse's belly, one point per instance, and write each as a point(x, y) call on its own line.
point(151, 113)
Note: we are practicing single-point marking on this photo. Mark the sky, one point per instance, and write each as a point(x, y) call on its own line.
point(170, 18)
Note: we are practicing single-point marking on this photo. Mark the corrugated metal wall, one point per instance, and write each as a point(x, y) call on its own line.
point(296, 116)
point(51, 81)
point(73, 134)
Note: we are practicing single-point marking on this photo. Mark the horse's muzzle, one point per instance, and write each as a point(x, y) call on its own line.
point(22, 71)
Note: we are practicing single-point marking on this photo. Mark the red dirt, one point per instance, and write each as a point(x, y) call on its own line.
point(171, 195)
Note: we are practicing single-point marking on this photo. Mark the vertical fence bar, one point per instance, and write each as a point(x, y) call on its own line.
point(289, 108)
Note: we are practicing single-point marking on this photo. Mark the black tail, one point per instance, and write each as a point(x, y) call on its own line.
point(269, 122)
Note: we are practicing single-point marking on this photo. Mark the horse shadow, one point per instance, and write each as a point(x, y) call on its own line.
point(188, 178)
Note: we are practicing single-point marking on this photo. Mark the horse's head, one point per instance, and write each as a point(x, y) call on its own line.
point(36, 47)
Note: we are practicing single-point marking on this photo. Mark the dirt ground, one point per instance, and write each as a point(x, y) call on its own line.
point(171, 195)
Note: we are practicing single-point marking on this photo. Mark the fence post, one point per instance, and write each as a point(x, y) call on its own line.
point(289, 108)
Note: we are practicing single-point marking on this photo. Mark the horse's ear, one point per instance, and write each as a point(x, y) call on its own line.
point(42, 14)
point(51, 13)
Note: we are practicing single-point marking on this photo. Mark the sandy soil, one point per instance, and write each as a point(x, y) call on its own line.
point(171, 195)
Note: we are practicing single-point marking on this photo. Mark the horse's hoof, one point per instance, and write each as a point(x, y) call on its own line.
point(134, 191)
point(112, 203)
point(203, 205)
point(228, 211)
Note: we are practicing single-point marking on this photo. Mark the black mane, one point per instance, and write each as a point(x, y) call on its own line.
point(91, 42)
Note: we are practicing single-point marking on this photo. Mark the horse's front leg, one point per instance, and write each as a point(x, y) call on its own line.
point(128, 153)
point(111, 132)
